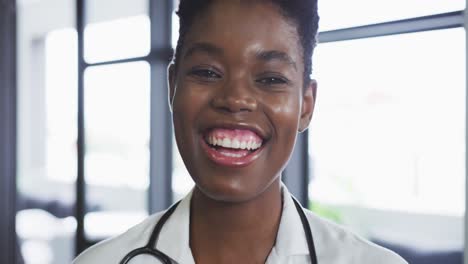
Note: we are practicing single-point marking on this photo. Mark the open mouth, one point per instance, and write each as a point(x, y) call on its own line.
point(232, 147)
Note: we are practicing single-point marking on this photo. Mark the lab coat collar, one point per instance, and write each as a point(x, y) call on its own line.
point(290, 240)
point(174, 236)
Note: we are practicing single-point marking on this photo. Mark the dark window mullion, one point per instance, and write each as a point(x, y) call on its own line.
point(102, 63)
point(160, 190)
point(466, 142)
point(296, 174)
point(419, 24)
point(8, 131)
point(80, 243)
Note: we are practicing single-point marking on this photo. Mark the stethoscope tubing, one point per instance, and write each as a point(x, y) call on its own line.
point(307, 232)
point(150, 247)
point(146, 251)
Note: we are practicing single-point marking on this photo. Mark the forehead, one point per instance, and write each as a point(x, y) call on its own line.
point(244, 27)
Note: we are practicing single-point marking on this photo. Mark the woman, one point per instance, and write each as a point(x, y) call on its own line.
point(240, 91)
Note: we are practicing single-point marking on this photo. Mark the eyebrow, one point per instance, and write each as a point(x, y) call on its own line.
point(203, 47)
point(266, 56)
point(272, 55)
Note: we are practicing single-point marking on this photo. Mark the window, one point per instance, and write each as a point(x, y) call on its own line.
point(388, 131)
point(113, 96)
point(387, 140)
point(61, 103)
point(117, 109)
point(117, 39)
point(117, 146)
point(336, 14)
point(47, 132)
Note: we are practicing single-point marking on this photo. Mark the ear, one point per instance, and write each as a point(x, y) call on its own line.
point(308, 104)
point(171, 75)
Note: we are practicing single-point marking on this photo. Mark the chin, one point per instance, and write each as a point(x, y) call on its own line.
point(232, 191)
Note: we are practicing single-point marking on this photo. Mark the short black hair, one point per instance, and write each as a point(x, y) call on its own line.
point(303, 13)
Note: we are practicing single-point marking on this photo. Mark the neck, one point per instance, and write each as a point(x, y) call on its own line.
point(244, 231)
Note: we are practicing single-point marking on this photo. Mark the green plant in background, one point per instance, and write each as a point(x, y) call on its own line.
point(326, 211)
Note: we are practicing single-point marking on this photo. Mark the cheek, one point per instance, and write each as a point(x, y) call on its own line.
point(183, 113)
point(188, 103)
point(188, 107)
point(285, 113)
point(285, 116)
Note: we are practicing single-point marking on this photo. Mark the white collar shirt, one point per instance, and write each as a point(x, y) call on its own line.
point(333, 244)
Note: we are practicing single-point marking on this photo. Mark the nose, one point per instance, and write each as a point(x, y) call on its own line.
point(235, 96)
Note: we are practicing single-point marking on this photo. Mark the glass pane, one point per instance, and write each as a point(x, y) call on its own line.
point(182, 182)
point(120, 32)
point(388, 134)
point(117, 114)
point(336, 14)
point(47, 132)
point(61, 104)
point(105, 10)
point(175, 24)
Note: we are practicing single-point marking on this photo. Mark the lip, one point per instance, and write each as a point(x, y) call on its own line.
point(234, 162)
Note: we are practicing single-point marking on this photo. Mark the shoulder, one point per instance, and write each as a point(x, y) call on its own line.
point(114, 249)
point(335, 244)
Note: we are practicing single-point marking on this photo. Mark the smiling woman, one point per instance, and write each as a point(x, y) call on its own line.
point(240, 92)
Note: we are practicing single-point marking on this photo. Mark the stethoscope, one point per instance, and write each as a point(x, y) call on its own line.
point(150, 247)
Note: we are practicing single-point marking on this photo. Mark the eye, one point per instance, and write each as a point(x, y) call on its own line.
point(206, 74)
point(272, 80)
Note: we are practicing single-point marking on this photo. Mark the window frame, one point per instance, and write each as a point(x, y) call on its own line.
point(298, 172)
point(8, 97)
point(160, 191)
point(456, 19)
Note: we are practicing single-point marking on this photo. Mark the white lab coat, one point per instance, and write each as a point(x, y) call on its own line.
point(333, 244)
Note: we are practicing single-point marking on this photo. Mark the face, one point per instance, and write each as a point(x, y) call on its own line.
point(238, 99)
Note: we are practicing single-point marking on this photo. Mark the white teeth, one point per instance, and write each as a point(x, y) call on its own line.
point(233, 144)
point(243, 145)
point(226, 143)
